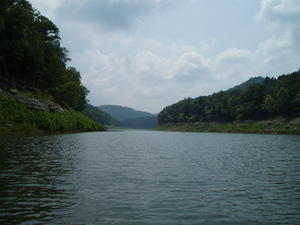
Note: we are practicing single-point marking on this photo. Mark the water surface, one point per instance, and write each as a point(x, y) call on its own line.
point(149, 177)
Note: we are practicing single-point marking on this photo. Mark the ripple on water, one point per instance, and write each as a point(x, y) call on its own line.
point(150, 178)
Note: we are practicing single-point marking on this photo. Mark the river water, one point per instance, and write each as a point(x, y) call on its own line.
point(149, 177)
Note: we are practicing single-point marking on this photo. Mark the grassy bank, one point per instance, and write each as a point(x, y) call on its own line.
point(16, 118)
point(258, 127)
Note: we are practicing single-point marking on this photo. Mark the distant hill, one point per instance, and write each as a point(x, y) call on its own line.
point(248, 83)
point(129, 117)
point(123, 113)
point(99, 116)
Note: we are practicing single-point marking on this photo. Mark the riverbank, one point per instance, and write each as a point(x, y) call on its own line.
point(274, 126)
point(16, 118)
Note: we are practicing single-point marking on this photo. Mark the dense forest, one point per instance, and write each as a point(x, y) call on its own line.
point(34, 76)
point(31, 53)
point(267, 98)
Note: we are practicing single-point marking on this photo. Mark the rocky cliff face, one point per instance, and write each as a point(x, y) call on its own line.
point(34, 103)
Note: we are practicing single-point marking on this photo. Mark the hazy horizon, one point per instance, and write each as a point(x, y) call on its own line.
point(152, 53)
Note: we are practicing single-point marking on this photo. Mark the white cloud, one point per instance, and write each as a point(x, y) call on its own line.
point(48, 7)
point(109, 14)
point(233, 57)
point(190, 66)
point(127, 68)
point(147, 80)
point(282, 15)
point(279, 10)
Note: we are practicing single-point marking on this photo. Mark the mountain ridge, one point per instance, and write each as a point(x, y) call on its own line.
point(123, 112)
point(249, 82)
point(129, 117)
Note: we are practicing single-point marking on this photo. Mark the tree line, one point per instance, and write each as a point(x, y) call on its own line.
point(270, 98)
point(30, 50)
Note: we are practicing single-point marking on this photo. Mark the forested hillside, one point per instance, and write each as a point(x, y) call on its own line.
point(267, 99)
point(251, 81)
point(31, 54)
point(39, 92)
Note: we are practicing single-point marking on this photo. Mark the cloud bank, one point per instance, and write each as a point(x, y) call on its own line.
point(109, 14)
point(121, 66)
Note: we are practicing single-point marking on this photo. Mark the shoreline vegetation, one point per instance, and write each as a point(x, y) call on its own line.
point(259, 105)
point(16, 118)
point(272, 126)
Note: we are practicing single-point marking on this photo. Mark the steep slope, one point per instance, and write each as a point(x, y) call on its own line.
point(251, 81)
point(38, 90)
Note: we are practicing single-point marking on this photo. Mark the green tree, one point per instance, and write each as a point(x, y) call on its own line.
point(30, 51)
point(283, 100)
point(296, 102)
point(72, 94)
point(270, 105)
point(272, 97)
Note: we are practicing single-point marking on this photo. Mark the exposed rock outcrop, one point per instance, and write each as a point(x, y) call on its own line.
point(36, 104)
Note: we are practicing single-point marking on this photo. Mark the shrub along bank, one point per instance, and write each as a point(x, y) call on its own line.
point(17, 118)
point(276, 126)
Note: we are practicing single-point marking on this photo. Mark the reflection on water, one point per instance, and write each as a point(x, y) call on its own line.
point(34, 179)
point(150, 178)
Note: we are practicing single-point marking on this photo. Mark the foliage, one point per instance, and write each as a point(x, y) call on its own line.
point(270, 98)
point(72, 93)
point(99, 116)
point(30, 50)
point(38, 94)
point(246, 127)
point(15, 117)
point(251, 81)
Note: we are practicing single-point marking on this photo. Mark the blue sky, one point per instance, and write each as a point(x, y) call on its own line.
point(148, 54)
